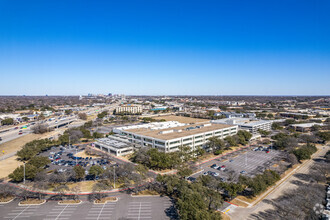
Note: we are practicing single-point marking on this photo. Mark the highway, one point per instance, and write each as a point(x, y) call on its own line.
point(19, 131)
point(9, 133)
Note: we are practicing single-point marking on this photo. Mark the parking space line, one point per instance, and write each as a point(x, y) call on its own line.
point(21, 212)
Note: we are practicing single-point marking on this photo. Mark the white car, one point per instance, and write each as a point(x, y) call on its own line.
point(215, 174)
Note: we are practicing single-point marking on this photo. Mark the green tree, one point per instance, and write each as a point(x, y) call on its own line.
point(97, 135)
point(7, 121)
point(215, 144)
point(263, 132)
point(231, 141)
point(184, 171)
point(96, 171)
point(79, 172)
point(18, 174)
point(39, 161)
point(276, 126)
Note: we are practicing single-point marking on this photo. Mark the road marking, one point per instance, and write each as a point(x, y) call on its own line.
point(61, 212)
point(21, 212)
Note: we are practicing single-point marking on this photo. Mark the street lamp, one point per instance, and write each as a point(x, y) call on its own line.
point(24, 173)
point(114, 177)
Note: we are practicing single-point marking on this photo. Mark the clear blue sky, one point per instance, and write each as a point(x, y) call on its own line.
point(165, 47)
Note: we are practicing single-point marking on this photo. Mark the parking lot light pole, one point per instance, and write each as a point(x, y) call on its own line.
point(246, 158)
point(24, 173)
point(114, 177)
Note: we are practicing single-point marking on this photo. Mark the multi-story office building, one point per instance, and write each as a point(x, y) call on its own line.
point(132, 109)
point(250, 125)
point(169, 136)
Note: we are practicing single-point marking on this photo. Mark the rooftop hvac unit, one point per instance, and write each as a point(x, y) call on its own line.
point(166, 132)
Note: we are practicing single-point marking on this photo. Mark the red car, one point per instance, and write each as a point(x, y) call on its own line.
point(223, 166)
point(20, 133)
point(267, 152)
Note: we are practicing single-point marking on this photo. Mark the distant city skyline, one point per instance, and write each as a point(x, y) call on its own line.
point(165, 47)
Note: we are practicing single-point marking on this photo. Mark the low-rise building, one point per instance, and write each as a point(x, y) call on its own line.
point(305, 127)
point(235, 115)
point(114, 145)
point(129, 108)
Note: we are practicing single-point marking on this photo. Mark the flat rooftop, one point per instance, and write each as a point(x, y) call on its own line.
point(113, 143)
point(181, 119)
point(172, 133)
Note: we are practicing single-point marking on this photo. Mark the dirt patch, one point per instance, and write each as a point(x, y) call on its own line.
point(181, 119)
point(146, 193)
point(8, 165)
point(239, 203)
point(224, 216)
point(84, 154)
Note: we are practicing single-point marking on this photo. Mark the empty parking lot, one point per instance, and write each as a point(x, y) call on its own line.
point(252, 162)
point(127, 207)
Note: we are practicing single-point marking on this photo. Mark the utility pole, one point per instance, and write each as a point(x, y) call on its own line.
point(24, 173)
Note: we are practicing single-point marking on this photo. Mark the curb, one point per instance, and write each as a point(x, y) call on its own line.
point(105, 202)
point(58, 203)
point(7, 201)
point(44, 201)
point(137, 196)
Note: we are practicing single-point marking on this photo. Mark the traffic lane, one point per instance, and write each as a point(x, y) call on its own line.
point(13, 135)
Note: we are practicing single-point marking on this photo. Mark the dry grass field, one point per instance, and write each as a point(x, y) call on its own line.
point(7, 166)
point(17, 144)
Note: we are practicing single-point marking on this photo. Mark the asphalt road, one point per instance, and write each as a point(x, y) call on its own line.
point(127, 207)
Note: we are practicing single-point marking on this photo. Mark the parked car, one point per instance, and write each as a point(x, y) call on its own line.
point(214, 166)
point(191, 179)
point(243, 172)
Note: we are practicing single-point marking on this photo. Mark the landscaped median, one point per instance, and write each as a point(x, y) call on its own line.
point(7, 199)
point(105, 200)
point(70, 202)
point(29, 202)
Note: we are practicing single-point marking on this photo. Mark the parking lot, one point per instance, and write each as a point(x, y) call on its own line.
point(126, 207)
point(246, 162)
point(63, 159)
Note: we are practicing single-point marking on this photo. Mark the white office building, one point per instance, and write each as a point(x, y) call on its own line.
point(250, 125)
point(169, 136)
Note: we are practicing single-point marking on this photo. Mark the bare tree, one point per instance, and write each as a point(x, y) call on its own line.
point(82, 116)
point(40, 128)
